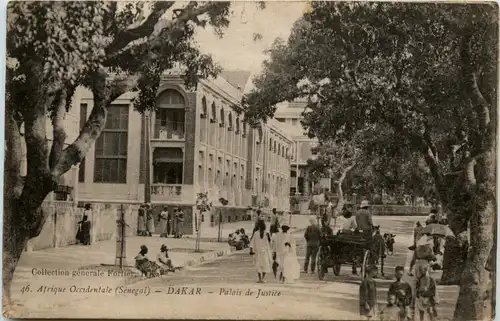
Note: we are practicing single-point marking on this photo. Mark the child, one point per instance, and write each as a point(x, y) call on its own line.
point(291, 266)
point(425, 295)
point(368, 295)
point(403, 293)
point(391, 312)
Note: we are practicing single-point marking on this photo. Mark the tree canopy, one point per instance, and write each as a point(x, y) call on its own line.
point(424, 73)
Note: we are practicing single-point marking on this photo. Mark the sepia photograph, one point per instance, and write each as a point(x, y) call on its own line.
point(250, 160)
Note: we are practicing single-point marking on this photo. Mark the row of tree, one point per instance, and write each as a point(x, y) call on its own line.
point(402, 88)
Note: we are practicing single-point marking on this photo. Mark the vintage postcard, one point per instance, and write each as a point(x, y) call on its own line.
point(250, 160)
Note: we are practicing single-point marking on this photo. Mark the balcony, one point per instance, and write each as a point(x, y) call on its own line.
point(179, 193)
point(169, 131)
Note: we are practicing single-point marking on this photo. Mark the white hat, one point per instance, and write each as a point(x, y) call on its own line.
point(364, 203)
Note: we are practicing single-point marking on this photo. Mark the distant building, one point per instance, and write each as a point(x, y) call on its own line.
point(301, 185)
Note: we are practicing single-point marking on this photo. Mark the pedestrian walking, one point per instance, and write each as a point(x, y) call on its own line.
point(260, 248)
point(163, 222)
point(312, 236)
point(426, 294)
point(150, 222)
point(391, 312)
point(423, 254)
point(417, 233)
point(403, 293)
point(368, 295)
point(141, 220)
point(291, 266)
point(278, 245)
point(275, 225)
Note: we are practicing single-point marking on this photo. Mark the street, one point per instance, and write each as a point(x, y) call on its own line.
point(227, 288)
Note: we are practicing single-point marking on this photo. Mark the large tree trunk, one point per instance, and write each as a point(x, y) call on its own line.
point(472, 303)
point(455, 253)
point(14, 241)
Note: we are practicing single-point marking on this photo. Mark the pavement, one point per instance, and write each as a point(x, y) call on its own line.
point(206, 290)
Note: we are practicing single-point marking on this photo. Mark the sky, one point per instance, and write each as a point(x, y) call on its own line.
point(237, 49)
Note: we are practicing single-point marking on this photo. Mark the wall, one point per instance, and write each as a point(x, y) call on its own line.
point(61, 226)
point(229, 214)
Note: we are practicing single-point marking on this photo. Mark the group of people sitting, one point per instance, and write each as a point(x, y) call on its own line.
point(161, 266)
point(239, 240)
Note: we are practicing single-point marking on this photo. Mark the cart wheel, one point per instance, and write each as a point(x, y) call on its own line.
point(321, 264)
point(367, 258)
point(336, 268)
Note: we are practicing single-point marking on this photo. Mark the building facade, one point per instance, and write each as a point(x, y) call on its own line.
point(301, 185)
point(197, 143)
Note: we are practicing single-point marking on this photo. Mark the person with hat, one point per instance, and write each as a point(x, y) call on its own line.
point(364, 218)
point(163, 260)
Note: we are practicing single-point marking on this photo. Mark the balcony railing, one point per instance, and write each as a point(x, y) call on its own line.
point(169, 131)
point(172, 192)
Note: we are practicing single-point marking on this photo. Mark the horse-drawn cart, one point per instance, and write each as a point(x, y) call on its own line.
point(345, 248)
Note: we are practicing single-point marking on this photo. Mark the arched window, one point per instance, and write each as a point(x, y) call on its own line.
point(222, 119)
point(270, 144)
point(244, 128)
point(237, 125)
point(279, 149)
point(204, 108)
point(230, 120)
point(170, 97)
point(274, 147)
point(214, 113)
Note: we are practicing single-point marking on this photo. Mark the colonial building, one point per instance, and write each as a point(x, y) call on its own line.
point(197, 143)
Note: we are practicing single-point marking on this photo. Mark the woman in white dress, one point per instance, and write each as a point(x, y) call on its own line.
point(291, 266)
point(278, 245)
point(260, 248)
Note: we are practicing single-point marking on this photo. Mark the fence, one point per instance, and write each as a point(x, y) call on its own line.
point(61, 225)
point(302, 207)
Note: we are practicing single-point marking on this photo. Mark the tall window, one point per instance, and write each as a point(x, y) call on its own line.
point(221, 138)
point(229, 136)
point(111, 147)
point(203, 120)
point(83, 120)
point(213, 126)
